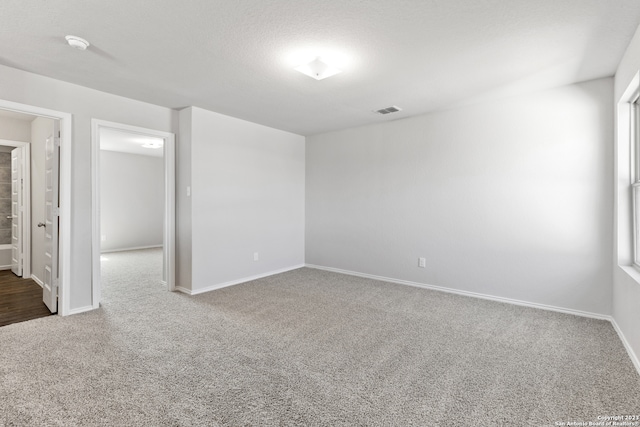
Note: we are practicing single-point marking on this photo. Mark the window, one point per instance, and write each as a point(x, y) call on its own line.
point(634, 133)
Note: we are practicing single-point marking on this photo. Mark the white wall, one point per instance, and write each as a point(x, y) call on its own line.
point(511, 198)
point(131, 200)
point(15, 129)
point(247, 196)
point(85, 104)
point(41, 129)
point(626, 284)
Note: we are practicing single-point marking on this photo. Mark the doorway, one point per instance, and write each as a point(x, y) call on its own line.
point(16, 201)
point(30, 220)
point(132, 141)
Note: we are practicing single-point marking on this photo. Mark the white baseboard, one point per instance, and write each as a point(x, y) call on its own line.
point(38, 281)
point(466, 293)
point(236, 282)
point(5, 267)
point(627, 346)
point(81, 310)
point(135, 248)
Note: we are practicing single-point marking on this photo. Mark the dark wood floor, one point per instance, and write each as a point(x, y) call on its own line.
point(20, 299)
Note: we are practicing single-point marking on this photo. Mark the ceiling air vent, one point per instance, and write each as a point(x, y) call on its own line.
point(389, 110)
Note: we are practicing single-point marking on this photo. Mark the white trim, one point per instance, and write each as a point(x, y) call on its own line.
point(135, 248)
point(163, 283)
point(5, 267)
point(26, 203)
point(38, 281)
point(81, 309)
point(631, 271)
point(627, 346)
point(26, 215)
point(625, 171)
point(95, 216)
point(169, 235)
point(237, 282)
point(64, 257)
point(466, 293)
point(169, 204)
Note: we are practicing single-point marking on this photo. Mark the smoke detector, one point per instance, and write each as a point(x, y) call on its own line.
point(388, 110)
point(77, 42)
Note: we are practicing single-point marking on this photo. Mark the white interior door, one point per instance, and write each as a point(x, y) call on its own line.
point(17, 209)
point(52, 223)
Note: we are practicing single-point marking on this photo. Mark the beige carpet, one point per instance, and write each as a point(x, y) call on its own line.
point(307, 348)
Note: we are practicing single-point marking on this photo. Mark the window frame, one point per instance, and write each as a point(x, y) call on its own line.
point(634, 144)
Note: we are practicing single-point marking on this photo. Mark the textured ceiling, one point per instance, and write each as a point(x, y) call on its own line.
point(237, 57)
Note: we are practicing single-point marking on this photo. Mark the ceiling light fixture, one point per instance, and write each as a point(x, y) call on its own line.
point(318, 69)
point(77, 42)
point(152, 144)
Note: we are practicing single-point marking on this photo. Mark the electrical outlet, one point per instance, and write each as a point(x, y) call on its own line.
point(256, 256)
point(422, 262)
point(103, 238)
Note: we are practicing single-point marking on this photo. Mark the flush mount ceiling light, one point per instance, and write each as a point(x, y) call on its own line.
point(77, 42)
point(152, 144)
point(148, 142)
point(318, 69)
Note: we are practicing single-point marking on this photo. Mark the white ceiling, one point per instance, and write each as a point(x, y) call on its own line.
point(125, 142)
point(235, 57)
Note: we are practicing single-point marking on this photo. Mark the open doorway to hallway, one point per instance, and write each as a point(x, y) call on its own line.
point(133, 204)
point(131, 207)
point(25, 233)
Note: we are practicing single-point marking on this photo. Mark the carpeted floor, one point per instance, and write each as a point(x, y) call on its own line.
point(307, 348)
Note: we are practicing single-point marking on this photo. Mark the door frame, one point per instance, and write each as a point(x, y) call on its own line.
point(64, 176)
point(168, 240)
point(26, 205)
